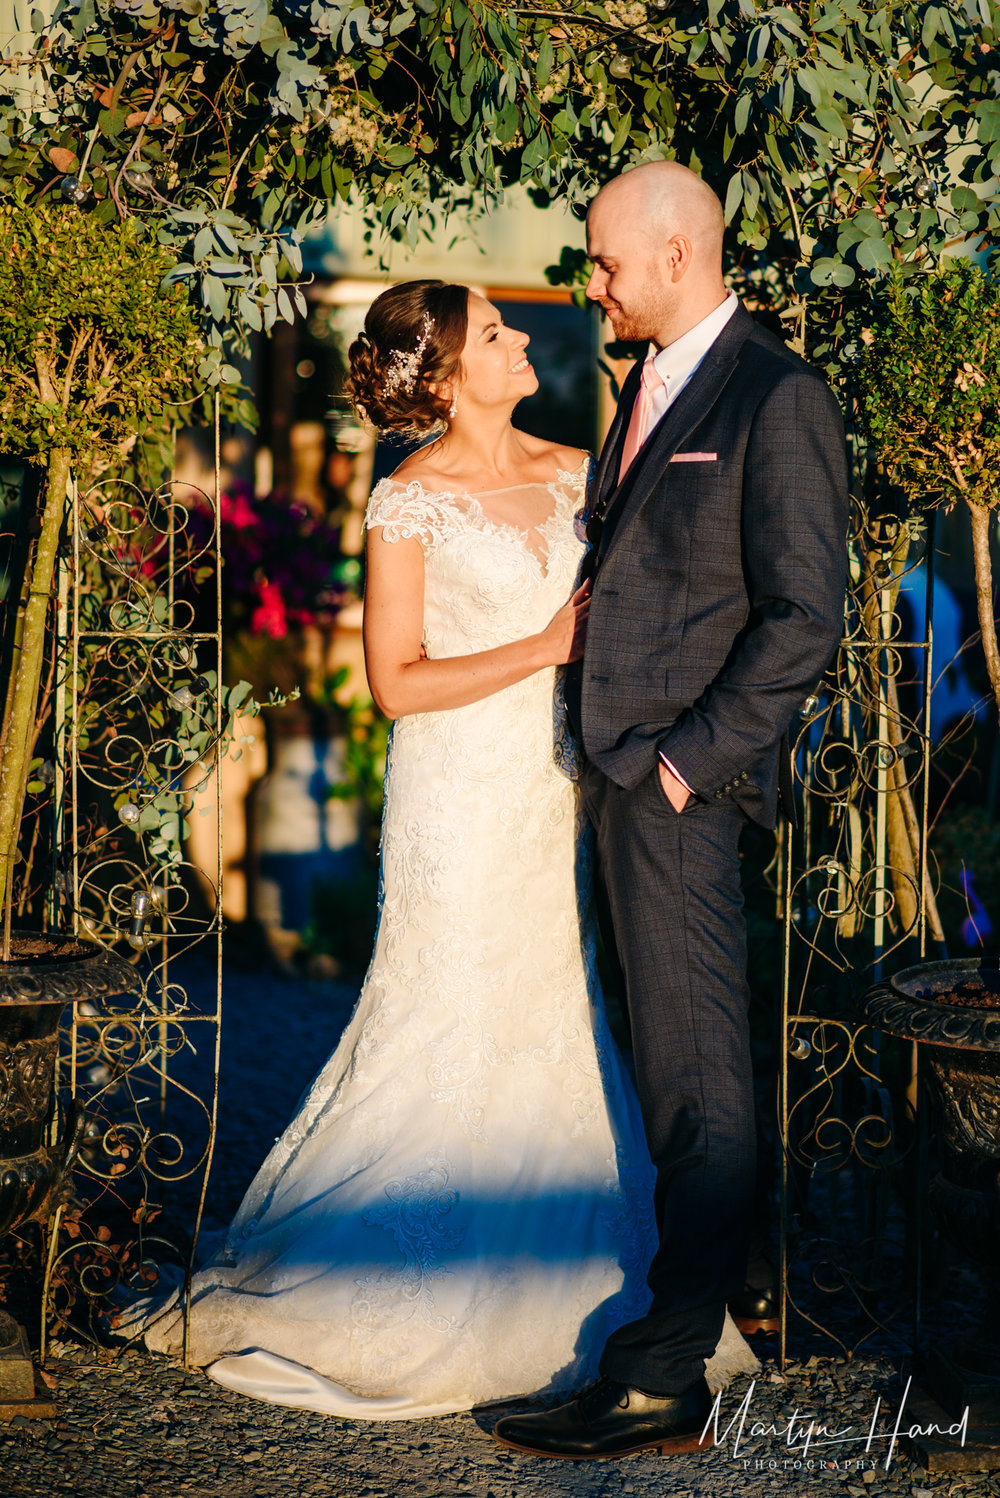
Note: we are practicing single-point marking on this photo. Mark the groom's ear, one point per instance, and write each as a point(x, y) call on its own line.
point(679, 254)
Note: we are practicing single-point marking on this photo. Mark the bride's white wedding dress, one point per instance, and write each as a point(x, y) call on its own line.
point(460, 1211)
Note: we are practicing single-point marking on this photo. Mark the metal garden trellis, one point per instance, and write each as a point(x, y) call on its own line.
point(139, 722)
point(845, 908)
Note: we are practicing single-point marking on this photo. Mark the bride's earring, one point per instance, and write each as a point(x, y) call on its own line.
point(453, 408)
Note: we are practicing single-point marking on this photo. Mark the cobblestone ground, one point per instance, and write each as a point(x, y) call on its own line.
point(143, 1428)
point(136, 1426)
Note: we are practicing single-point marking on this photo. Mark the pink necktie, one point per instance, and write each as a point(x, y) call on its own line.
point(638, 427)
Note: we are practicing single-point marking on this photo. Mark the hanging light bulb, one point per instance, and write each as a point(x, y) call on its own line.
point(72, 190)
point(159, 896)
point(137, 924)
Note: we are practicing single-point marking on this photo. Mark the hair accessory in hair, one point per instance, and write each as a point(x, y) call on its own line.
point(404, 367)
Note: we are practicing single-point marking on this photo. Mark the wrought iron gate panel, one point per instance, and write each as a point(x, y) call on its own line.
point(854, 893)
point(139, 735)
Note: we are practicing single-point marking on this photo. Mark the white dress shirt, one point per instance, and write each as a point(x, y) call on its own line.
point(676, 363)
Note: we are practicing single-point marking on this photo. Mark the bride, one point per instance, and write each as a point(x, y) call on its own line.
point(459, 1211)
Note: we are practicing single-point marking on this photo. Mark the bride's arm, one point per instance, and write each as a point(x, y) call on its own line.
point(402, 681)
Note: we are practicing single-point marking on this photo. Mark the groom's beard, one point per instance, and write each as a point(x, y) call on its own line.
point(640, 322)
point(629, 330)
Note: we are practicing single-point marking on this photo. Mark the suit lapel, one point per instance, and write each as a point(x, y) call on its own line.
point(606, 477)
point(691, 406)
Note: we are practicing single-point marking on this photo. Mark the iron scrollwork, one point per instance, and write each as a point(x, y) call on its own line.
point(140, 725)
point(854, 892)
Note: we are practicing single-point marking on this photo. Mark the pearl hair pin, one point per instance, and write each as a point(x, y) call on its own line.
point(404, 365)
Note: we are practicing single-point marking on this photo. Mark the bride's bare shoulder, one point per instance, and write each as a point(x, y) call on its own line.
point(419, 467)
point(557, 454)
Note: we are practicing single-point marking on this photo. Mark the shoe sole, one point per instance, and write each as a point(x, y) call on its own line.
point(674, 1446)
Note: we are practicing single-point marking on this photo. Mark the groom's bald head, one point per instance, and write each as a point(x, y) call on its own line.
point(655, 237)
point(661, 198)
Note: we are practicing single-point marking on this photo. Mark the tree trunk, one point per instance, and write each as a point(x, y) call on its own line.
point(905, 837)
point(983, 566)
point(902, 823)
point(27, 672)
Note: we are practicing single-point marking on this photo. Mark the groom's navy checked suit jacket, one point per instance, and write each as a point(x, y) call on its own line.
point(719, 585)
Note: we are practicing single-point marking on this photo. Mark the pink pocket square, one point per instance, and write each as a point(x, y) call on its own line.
point(695, 458)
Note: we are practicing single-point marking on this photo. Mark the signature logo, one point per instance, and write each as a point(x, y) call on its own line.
point(805, 1437)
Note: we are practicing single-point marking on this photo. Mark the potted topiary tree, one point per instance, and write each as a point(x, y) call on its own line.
point(930, 384)
point(91, 349)
point(930, 403)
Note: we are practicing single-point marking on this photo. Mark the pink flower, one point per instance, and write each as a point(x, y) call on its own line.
point(281, 562)
point(236, 508)
point(269, 617)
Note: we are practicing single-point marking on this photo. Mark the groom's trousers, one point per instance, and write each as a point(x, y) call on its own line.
point(673, 887)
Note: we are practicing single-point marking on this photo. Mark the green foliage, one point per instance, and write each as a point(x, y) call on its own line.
point(160, 794)
point(90, 344)
point(365, 747)
point(967, 843)
point(343, 917)
point(930, 384)
point(345, 911)
point(842, 135)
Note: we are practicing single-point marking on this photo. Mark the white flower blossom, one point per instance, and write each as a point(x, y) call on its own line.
point(350, 126)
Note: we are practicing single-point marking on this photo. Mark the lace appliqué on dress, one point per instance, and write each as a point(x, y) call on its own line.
point(409, 512)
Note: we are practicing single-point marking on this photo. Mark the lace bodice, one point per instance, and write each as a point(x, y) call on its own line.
point(487, 582)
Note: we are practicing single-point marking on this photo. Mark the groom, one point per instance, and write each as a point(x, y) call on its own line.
point(718, 528)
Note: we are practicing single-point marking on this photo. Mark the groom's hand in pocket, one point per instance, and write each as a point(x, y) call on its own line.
point(674, 789)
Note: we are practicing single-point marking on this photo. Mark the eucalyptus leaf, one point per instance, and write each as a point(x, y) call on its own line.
point(418, 110)
point(874, 254)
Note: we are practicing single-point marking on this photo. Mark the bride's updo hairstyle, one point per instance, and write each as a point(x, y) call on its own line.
point(413, 337)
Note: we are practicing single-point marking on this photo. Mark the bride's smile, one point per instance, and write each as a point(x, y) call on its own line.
point(496, 372)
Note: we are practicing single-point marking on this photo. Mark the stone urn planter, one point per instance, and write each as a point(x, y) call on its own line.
point(45, 973)
point(952, 1010)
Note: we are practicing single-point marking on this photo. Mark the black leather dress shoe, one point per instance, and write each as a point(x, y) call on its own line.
point(756, 1310)
point(612, 1419)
